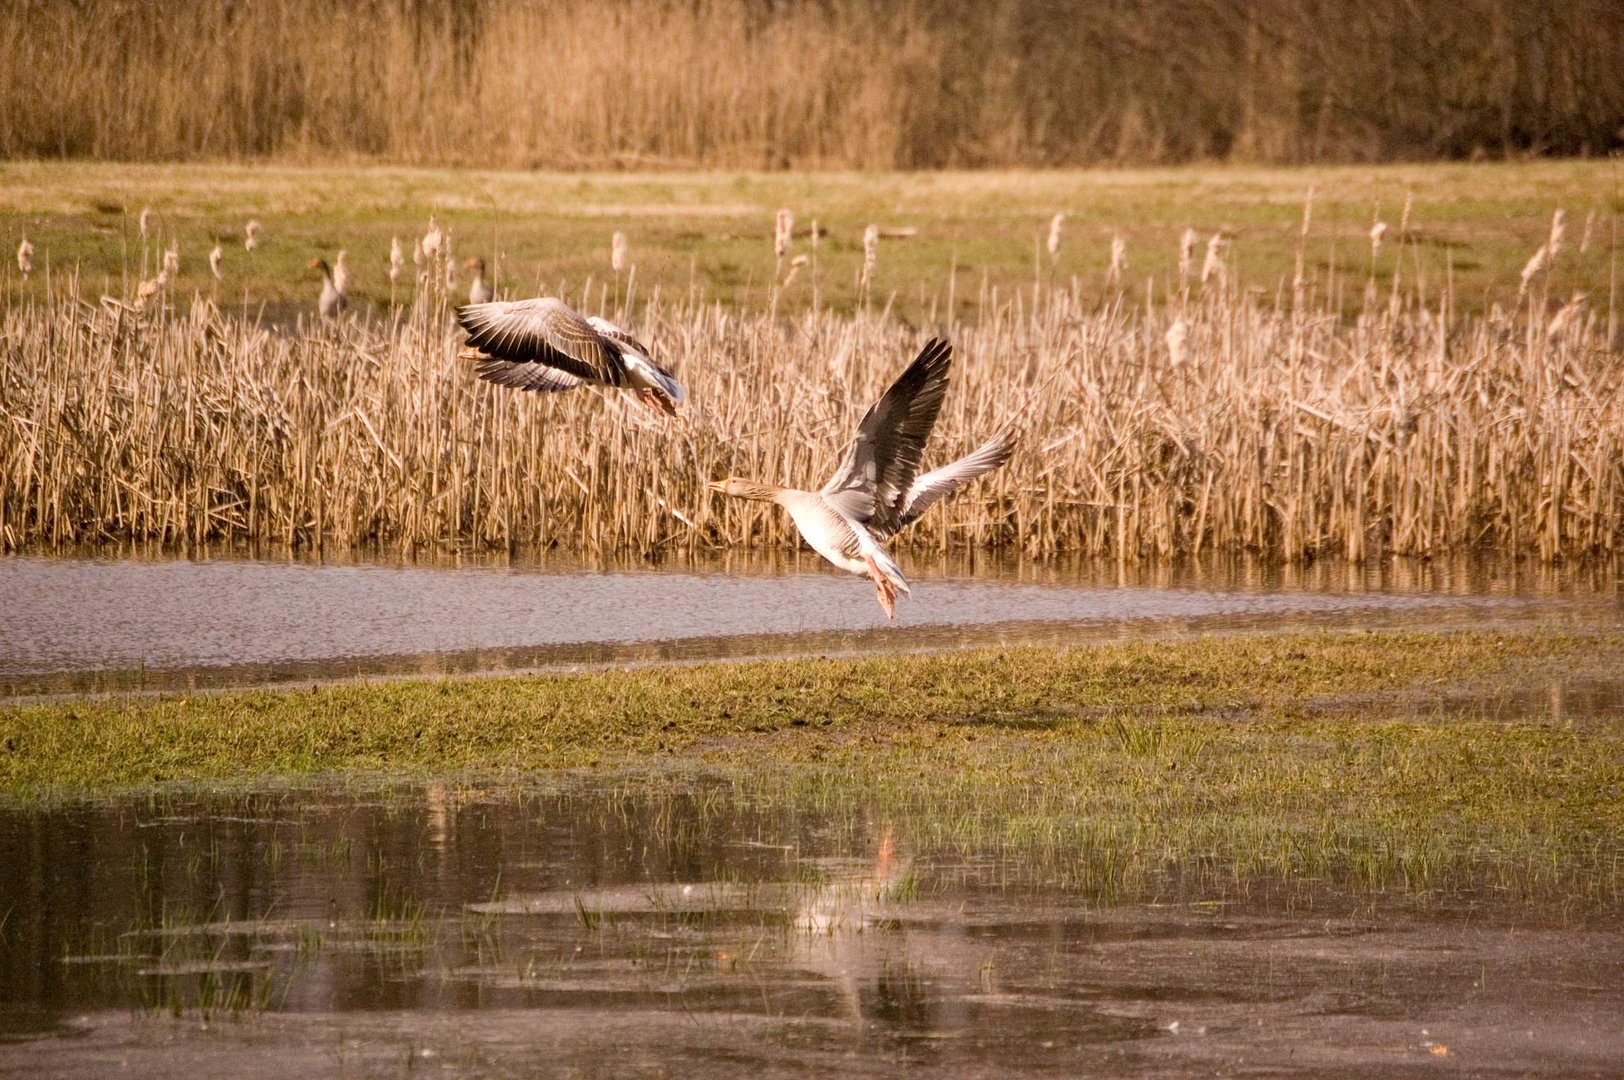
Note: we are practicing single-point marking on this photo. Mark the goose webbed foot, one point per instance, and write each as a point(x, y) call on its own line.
point(656, 403)
point(884, 591)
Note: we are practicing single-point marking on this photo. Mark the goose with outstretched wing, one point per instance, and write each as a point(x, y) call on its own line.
point(545, 345)
point(878, 489)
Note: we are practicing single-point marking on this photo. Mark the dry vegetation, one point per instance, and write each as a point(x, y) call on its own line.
point(838, 84)
point(1205, 419)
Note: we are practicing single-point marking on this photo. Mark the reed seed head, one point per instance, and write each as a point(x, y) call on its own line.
point(1119, 260)
point(1213, 265)
point(783, 232)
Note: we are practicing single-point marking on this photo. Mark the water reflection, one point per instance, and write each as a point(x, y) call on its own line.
point(644, 923)
point(122, 620)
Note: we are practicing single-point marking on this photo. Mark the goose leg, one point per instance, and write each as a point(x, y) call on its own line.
point(884, 591)
point(655, 403)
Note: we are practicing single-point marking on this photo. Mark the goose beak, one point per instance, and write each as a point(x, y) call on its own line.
point(716, 486)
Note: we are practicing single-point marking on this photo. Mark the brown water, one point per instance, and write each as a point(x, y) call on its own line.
point(675, 926)
point(115, 622)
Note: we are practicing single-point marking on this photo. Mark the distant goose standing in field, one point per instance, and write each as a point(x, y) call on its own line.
point(545, 345)
point(25, 257)
point(479, 290)
point(341, 274)
point(332, 301)
point(876, 491)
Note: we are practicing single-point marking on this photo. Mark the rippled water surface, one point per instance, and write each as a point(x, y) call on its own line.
point(664, 926)
point(89, 623)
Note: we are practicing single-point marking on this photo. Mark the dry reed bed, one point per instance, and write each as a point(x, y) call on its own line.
point(842, 83)
point(1288, 433)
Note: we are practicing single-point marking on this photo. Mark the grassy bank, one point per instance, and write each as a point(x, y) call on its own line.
point(1346, 754)
point(1289, 691)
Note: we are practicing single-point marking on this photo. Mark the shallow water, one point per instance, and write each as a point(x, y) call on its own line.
point(671, 925)
point(96, 623)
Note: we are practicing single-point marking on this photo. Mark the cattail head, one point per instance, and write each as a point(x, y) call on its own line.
point(783, 232)
point(215, 257)
point(1404, 218)
point(1377, 231)
point(146, 222)
point(171, 261)
point(1119, 260)
point(1057, 225)
point(1566, 315)
point(25, 257)
point(1308, 212)
point(1213, 265)
point(1559, 228)
point(618, 259)
point(433, 240)
point(816, 232)
point(1535, 266)
point(149, 289)
point(1178, 336)
point(871, 256)
point(397, 259)
point(1584, 236)
point(341, 272)
point(1186, 253)
point(251, 231)
point(795, 265)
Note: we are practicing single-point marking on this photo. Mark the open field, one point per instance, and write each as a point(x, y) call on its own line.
point(1472, 228)
point(1288, 752)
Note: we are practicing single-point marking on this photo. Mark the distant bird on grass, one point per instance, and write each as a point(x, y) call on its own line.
point(876, 492)
point(341, 274)
point(479, 290)
point(333, 300)
point(545, 345)
point(25, 257)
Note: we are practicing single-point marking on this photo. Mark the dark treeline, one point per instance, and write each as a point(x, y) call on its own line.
point(832, 84)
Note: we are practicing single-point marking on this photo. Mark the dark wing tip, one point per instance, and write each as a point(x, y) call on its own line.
point(938, 352)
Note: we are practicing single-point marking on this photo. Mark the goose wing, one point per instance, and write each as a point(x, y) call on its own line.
point(929, 488)
point(523, 376)
point(543, 331)
point(875, 476)
point(616, 334)
point(634, 354)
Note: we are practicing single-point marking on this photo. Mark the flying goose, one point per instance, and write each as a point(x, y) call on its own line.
point(333, 298)
point(544, 344)
point(877, 490)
